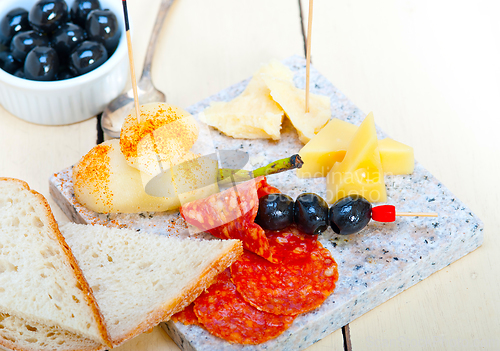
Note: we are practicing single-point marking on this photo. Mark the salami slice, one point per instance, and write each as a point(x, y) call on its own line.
point(304, 278)
point(224, 313)
point(186, 316)
point(230, 215)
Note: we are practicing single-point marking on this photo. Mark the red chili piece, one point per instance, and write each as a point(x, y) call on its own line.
point(230, 215)
point(301, 282)
point(224, 313)
point(384, 213)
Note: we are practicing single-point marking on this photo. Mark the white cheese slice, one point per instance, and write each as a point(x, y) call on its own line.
point(292, 100)
point(253, 114)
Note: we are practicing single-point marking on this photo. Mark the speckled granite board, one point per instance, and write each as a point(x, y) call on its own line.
point(374, 265)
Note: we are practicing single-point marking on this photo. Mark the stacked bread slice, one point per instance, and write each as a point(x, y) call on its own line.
point(45, 301)
point(120, 284)
point(141, 279)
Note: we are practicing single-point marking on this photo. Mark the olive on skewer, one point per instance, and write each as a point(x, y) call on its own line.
point(350, 214)
point(312, 216)
point(276, 211)
point(310, 213)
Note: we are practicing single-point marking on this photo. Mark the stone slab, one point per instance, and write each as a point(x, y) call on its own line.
point(374, 265)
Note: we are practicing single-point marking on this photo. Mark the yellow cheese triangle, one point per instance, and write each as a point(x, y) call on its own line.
point(326, 148)
point(330, 144)
point(396, 157)
point(360, 172)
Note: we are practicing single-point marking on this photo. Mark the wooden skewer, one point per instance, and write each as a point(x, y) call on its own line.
point(308, 52)
point(417, 214)
point(131, 61)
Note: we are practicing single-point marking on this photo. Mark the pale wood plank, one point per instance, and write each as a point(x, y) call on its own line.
point(332, 342)
point(206, 46)
point(429, 71)
point(33, 152)
point(155, 340)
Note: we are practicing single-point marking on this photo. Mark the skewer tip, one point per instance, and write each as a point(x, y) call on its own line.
point(417, 214)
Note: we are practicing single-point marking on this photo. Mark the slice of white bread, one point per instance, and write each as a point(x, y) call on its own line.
point(45, 302)
point(140, 279)
point(18, 334)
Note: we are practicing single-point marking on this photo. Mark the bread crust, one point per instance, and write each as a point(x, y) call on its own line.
point(188, 295)
point(89, 296)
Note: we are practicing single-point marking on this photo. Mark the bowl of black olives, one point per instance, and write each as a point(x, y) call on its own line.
point(61, 61)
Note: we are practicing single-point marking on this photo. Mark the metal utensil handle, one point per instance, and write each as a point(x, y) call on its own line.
point(162, 12)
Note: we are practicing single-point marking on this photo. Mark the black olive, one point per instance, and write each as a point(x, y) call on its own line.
point(42, 63)
point(15, 21)
point(80, 10)
point(102, 26)
point(66, 38)
point(311, 213)
point(64, 73)
point(8, 63)
point(19, 73)
point(24, 42)
point(350, 214)
point(86, 57)
point(275, 211)
point(46, 15)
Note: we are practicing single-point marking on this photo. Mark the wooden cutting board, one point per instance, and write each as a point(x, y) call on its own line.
point(374, 265)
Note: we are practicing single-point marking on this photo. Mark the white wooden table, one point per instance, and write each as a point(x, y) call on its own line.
point(430, 72)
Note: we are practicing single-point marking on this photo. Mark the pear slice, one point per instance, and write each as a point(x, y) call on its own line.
point(360, 172)
point(164, 133)
point(105, 183)
point(196, 178)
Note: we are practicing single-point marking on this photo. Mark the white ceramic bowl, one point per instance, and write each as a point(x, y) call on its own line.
point(71, 100)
